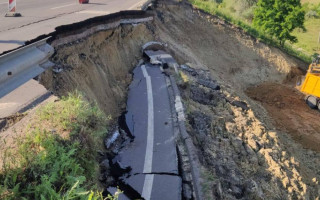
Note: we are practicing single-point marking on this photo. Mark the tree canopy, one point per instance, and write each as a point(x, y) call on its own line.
point(279, 18)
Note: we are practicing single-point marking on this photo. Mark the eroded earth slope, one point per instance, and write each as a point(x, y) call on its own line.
point(255, 137)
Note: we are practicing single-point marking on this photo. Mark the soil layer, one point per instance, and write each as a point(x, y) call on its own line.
point(287, 107)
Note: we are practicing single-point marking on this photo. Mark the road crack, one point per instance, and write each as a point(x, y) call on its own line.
point(159, 173)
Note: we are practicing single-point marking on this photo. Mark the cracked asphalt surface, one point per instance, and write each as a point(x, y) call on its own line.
point(152, 155)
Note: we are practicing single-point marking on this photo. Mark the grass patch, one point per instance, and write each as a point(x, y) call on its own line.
point(310, 1)
point(57, 158)
point(309, 40)
point(220, 10)
point(208, 181)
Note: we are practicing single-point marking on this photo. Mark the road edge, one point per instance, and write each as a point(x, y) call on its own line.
point(191, 150)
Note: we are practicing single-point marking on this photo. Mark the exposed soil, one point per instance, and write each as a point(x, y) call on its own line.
point(6, 122)
point(287, 107)
point(247, 151)
point(99, 66)
point(255, 135)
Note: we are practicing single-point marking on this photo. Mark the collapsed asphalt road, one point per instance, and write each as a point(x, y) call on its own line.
point(151, 156)
point(243, 154)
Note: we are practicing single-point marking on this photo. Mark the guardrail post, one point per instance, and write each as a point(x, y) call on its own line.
point(12, 6)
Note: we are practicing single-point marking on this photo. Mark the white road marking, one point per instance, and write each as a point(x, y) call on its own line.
point(147, 186)
point(136, 5)
point(148, 181)
point(63, 6)
point(150, 137)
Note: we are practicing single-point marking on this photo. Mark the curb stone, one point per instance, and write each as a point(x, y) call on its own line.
point(192, 153)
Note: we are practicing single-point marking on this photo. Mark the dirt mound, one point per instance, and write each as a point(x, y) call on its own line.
point(287, 107)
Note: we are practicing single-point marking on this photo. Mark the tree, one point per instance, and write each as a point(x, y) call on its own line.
point(279, 18)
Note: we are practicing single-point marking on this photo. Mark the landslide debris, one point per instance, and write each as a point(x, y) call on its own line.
point(248, 148)
point(245, 159)
point(244, 152)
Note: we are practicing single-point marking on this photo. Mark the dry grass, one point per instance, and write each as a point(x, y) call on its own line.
point(310, 1)
point(55, 157)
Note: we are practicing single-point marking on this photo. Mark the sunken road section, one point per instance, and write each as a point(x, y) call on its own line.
point(244, 153)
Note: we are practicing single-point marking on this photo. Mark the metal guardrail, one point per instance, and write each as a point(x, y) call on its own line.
point(19, 66)
point(146, 4)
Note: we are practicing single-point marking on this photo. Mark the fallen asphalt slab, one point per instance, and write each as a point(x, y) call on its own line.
point(152, 155)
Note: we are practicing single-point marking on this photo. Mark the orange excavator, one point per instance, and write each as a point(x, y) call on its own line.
point(311, 84)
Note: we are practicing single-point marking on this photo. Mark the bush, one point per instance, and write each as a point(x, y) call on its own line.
point(312, 14)
point(59, 164)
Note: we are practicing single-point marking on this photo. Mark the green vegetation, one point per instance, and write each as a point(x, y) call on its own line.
point(278, 18)
point(309, 40)
point(208, 180)
point(241, 13)
point(57, 158)
point(310, 1)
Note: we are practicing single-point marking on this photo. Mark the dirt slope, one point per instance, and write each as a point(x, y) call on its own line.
point(246, 154)
point(251, 153)
point(231, 55)
point(287, 107)
point(99, 66)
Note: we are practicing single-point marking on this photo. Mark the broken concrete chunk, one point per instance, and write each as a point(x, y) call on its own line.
point(155, 61)
point(203, 97)
point(110, 141)
point(153, 45)
point(57, 69)
point(209, 84)
point(186, 68)
point(179, 108)
point(159, 57)
point(240, 104)
point(200, 122)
